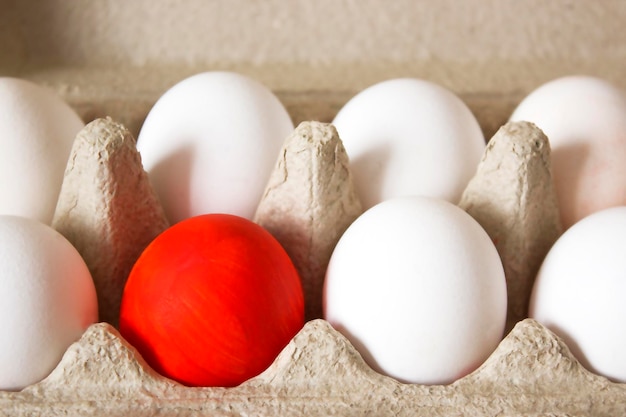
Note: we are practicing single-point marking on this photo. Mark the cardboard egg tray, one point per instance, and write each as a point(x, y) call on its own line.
point(114, 59)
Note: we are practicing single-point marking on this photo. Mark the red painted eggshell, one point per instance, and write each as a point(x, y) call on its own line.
point(212, 301)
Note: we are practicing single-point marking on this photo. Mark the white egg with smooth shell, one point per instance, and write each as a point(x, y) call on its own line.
point(38, 130)
point(210, 142)
point(579, 292)
point(418, 287)
point(47, 300)
point(409, 137)
point(585, 120)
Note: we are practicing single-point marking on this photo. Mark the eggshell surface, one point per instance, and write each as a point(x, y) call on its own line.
point(585, 120)
point(418, 287)
point(579, 292)
point(409, 137)
point(210, 142)
point(38, 129)
point(47, 300)
point(212, 301)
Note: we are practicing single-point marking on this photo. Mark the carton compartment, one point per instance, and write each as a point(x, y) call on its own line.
point(113, 58)
point(532, 371)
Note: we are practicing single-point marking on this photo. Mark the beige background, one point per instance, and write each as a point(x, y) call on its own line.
point(117, 57)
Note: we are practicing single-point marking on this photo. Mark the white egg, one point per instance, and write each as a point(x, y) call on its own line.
point(418, 287)
point(409, 137)
point(210, 142)
point(585, 120)
point(38, 129)
point(579, 292)
point(47, 300)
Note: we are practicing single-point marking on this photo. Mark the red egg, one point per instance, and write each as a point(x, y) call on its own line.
point(212, 301)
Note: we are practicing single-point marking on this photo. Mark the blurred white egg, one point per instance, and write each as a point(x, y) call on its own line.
point(409, 137)
point(210, 142)
point(579, 292)
point(38, 129)
point(585, 120)
point(47, 300)
point(418, 287)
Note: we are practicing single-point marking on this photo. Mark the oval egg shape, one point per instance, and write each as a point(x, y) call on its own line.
point(418, 287)
point(47, 300)
point(38, 130)
point(585, 120)
point(407, 137)
point(212, 301)
point(210, 142)
point(579, 292)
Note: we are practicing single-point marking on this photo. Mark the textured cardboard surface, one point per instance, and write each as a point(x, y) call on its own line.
point(319, 373)
point(107, 208)
point(513, 198)
point(333, 45)
point(309, 202)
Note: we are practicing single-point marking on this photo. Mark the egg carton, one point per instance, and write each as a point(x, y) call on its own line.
point(108, 210)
